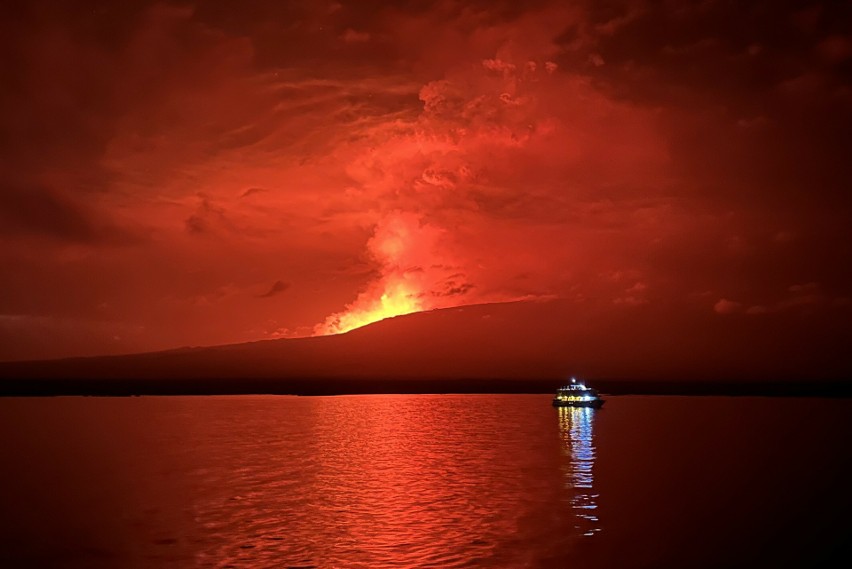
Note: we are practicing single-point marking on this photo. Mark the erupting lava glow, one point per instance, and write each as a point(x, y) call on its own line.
point(399, 297)
point(406, 251)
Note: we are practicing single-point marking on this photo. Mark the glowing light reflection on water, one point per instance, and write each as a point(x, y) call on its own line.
point(576, 426)
point(449, 481)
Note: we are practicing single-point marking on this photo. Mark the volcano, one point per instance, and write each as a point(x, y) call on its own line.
point(532, 344)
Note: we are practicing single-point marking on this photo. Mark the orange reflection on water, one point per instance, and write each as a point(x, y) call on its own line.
point(576, 428)
point(416, 481)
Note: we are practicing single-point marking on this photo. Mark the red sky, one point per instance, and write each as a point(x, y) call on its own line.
point(180, 174)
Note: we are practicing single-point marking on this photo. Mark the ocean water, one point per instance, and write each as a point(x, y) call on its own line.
point(439, 481)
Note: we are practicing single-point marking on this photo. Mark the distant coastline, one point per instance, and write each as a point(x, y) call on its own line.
point(46, 387)
point(498, 348)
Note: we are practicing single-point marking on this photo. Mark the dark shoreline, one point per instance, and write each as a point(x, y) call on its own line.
point(360, 386)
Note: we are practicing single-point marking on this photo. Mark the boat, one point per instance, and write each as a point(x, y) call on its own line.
point(576, 394)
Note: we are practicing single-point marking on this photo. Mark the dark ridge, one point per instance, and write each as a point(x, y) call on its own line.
point(352, 386)
point(500, 348)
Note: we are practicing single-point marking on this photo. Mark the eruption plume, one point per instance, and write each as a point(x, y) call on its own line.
point(405, 249)
point(471, 154)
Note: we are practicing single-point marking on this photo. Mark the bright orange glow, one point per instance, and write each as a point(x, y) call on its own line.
point(405, 249)
point(399, 297)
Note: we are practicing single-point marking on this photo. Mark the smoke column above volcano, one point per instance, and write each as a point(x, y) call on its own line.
point(405, 250)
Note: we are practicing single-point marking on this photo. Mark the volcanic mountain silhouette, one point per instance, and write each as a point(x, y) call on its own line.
point(521, 341)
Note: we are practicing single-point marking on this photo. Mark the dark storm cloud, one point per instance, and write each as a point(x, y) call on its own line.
point(759, 93)
point(755, 100)
point(60, 104)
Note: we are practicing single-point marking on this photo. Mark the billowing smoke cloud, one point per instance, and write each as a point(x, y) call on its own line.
point(500, 154)
point(407, 252)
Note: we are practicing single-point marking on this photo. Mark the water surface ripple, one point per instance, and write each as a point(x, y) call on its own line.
point(420, 481)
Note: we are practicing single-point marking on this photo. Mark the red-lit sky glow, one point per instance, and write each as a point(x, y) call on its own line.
point(202, 173)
